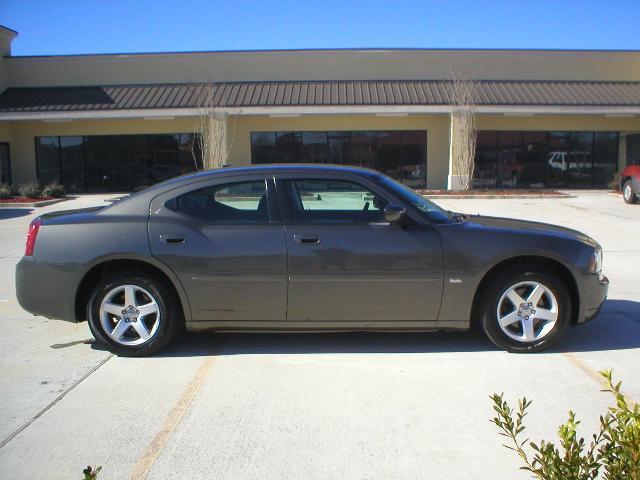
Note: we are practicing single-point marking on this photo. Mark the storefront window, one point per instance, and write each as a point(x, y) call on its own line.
point(399, 154)
point(484, 174)
point(114, 163)
point(605, 158)
point(48, 153)
point(534, 155)
point(72, 156)
point(5, 163)
point(545, 159)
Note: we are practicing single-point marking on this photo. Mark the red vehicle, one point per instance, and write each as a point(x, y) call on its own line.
point(630, 183)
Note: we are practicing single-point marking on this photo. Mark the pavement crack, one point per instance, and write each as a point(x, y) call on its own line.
point(56, 400)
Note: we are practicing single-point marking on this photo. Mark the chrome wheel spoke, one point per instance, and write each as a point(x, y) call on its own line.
point(113, 309)
point(546, 314)
point(528, 332)
point(142, 329)
point(119, 330)
point(515, 297)
point(509, 319)
point(147, 308)
point(536, 295)
point(129, 296)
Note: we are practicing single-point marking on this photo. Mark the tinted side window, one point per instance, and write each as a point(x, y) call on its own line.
point(240, 202)
point(333, 201)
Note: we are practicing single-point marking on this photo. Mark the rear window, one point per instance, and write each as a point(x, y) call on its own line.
point(242, 202)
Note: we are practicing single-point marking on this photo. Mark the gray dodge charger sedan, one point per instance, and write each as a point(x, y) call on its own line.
point(305, 248)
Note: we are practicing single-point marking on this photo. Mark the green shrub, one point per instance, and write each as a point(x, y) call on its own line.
point(5, 191)
point(53, 190)
point(612, 454)
point(29, 190)
point(91, 473)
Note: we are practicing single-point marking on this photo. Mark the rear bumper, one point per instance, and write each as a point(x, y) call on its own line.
point(45, 289)
point(594, 292)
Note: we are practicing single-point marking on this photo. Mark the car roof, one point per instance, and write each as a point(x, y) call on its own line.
point(292, 167)
point(273, 168)
point(143, 196)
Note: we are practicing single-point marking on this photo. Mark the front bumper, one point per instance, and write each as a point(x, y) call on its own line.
point(46, 289)
point(593, 294)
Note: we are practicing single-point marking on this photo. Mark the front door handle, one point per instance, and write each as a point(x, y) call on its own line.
point(306, 239)
point(173, 239)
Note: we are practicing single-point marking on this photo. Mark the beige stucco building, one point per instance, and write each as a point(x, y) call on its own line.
point(119, 122)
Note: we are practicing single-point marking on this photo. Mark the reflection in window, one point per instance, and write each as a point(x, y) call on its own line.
point(5, 164)
point(333, 201)
point(48, 154)
point(545, 159)
point(72, 163)
point(605, 158)
point(116, 163)
point(399, 154)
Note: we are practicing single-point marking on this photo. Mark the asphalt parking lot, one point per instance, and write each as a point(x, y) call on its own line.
point(290, 406)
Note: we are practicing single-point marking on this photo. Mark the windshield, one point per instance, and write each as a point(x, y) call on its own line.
point(434, 212)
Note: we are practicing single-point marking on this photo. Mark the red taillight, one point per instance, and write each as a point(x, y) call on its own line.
point(32, 233)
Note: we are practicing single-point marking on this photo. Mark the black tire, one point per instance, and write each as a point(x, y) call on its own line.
point(500, 284)
point(628, 193)
point(170, 316)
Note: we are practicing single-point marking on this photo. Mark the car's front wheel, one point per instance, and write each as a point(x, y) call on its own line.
point(628, 193)
point(525, 309)
point(133, 315)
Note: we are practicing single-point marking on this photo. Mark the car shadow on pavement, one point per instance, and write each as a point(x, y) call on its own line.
point(617, 327)
point(7, 213)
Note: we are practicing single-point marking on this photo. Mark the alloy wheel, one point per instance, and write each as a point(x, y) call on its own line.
point(130, 315)
point(527, 311)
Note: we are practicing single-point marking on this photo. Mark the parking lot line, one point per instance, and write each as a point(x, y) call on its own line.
point(152, 452)
point(590, 372)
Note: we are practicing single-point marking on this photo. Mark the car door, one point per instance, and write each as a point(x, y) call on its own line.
point(346, 265)
point(225, 241)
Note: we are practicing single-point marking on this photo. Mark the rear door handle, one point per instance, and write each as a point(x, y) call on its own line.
point(306, 239)
point(173, 239)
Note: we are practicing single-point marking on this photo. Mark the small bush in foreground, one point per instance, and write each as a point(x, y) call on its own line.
point(91, 473)
point(29, 190)
point(612, 454)
point(53, 190)
point(5, 191)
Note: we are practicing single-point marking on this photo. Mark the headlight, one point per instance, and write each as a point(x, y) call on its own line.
point(595, 262)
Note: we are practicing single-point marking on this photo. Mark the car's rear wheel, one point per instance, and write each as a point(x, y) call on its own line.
point(525, 309)
point(628, 193)
point(133, 315)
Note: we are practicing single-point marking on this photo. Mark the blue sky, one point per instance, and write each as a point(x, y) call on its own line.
point(91, 26)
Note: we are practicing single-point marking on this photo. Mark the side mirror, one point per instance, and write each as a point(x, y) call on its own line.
point(394, 213)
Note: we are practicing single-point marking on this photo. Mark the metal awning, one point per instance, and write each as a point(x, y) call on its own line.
point(411, 96)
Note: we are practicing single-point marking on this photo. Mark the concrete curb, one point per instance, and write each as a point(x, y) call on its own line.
point(497, 196)
point(42, 203)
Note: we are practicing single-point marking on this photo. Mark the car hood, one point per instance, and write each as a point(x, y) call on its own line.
point(512, 224)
